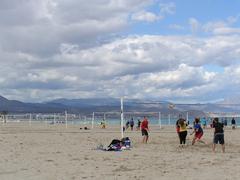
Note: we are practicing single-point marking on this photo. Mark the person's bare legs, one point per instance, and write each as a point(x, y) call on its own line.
point(213, 147)
point(145, 139)
point(194, 140)
point(223, 148)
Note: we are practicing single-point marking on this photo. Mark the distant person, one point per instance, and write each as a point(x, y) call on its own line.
point(225, 122)
point(233, 123)
point(131, 123)
point(212, 122)
point(103, 124)
point(204, 122)
point(138, 124)
point(218, 135)
point(198, 132)
point(127, 124)
point(182, 131)
point(145, 130)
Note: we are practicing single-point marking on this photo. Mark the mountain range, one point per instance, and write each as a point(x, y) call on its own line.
point(90, 105)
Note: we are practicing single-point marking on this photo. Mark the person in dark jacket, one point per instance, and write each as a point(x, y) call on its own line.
point(218, 134)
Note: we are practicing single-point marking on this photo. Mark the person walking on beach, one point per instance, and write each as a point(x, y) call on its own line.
point(233, 123)
point(218, 135)
point(131, 123)
point(145, 129)
point(225, 122)
point(182, 131)
point(198, 132)
point(138, 124)
point(127, 124)
point(204, 122)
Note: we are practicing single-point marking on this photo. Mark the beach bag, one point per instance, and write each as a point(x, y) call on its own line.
point(126, 142)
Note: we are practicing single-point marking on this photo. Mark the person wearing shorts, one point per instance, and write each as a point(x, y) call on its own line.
point(218, 135)
point(198, 132)
point(145, 129)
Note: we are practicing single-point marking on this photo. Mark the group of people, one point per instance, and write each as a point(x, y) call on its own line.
point(131, 124)
point(225, 122)
point(181, 128)
point(141, 125)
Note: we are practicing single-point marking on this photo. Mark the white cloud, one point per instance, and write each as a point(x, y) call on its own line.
point(167, 8)
point(137, 66)
point(51, 49)
point(194, 24)
point(47, 23)
point(226, 30)
point(219, 27)
point(146, 16)
point(176, 27)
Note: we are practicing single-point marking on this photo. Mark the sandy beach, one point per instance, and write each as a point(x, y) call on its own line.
point(54, 152)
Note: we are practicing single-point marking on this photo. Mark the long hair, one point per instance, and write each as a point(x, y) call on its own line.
point(181, 122)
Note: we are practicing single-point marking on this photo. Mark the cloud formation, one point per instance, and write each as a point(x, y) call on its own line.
point(67, 48)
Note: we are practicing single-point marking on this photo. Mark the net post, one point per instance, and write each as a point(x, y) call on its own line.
point(122, 117)
point(30, 119)
point(93, 117)
point(169, 119)
point(159, 119)
point(66, 119)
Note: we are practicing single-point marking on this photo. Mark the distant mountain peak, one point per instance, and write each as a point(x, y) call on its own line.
point(3, 98)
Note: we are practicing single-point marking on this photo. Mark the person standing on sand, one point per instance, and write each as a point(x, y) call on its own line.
point(218, 135)
point(177, 125)
point(131, 124)
point(138, 124)
point(182, 131)
point(204, 121)
point(145, 129)
point(233, 123)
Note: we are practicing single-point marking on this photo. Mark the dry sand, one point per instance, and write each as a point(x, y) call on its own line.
point(52, 152)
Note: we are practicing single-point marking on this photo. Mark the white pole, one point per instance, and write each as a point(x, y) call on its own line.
point(159, 119)
point(30, 119)
point(66, 118)
point(187, 116)
point(122, 117)
point(5, 119)
point(54, 119)
point(104, 117)
point(169, 119)
point(92, 120)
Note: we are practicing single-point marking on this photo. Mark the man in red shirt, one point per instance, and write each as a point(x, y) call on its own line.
point(144, 129)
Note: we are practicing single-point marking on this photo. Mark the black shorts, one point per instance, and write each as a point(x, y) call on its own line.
point(144, 132)
point(218, 138)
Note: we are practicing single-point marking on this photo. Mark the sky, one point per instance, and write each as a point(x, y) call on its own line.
point(182, 51)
